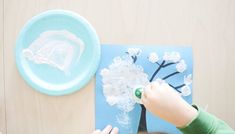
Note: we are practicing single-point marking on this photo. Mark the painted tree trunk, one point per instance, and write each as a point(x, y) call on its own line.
point(143, 122)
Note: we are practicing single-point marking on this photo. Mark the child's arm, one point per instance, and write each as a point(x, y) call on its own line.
point(206, 123)
point(166, 103)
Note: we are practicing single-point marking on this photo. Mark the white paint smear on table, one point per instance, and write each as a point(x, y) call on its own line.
point(57, 48)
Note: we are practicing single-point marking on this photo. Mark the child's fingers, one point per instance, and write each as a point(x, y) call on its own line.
point(148, 86)
point(114, 131)
point(155, 85)
point(143, 95)
point(96, 132)
point(107, 129)
point(143, 98)
point(147, 90)
point(145, 102)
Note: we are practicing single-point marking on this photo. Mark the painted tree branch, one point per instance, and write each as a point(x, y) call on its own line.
point(158, 69)
point(168, 64)
point(175, 88)
point(158, 63)
point(134, 58)
point(170, 75)
point(179, 86)
point(143, 122)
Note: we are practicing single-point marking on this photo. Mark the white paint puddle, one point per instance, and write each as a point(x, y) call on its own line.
point(58, 49)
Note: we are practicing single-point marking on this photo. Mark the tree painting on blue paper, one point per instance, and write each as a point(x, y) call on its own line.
point(123, 68)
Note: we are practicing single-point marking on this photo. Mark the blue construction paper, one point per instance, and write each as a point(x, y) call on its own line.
point(106, 114)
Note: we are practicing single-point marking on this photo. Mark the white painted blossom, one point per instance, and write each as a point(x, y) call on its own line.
point(172, 56)
point(153, 57)
point(134, 51)
point(188, 79)
point(104, 72)
point(176, 57)
point(185, 91)
point(181, 66)
point(119, 80)
point(167, 56)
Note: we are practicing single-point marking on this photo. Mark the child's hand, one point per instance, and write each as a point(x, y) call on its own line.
point(165, 102)
point(107, 130)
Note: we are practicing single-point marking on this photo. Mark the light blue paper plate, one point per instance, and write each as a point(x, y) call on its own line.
point(50, 80)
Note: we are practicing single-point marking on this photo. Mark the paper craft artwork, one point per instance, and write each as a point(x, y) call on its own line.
point(125, 67)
